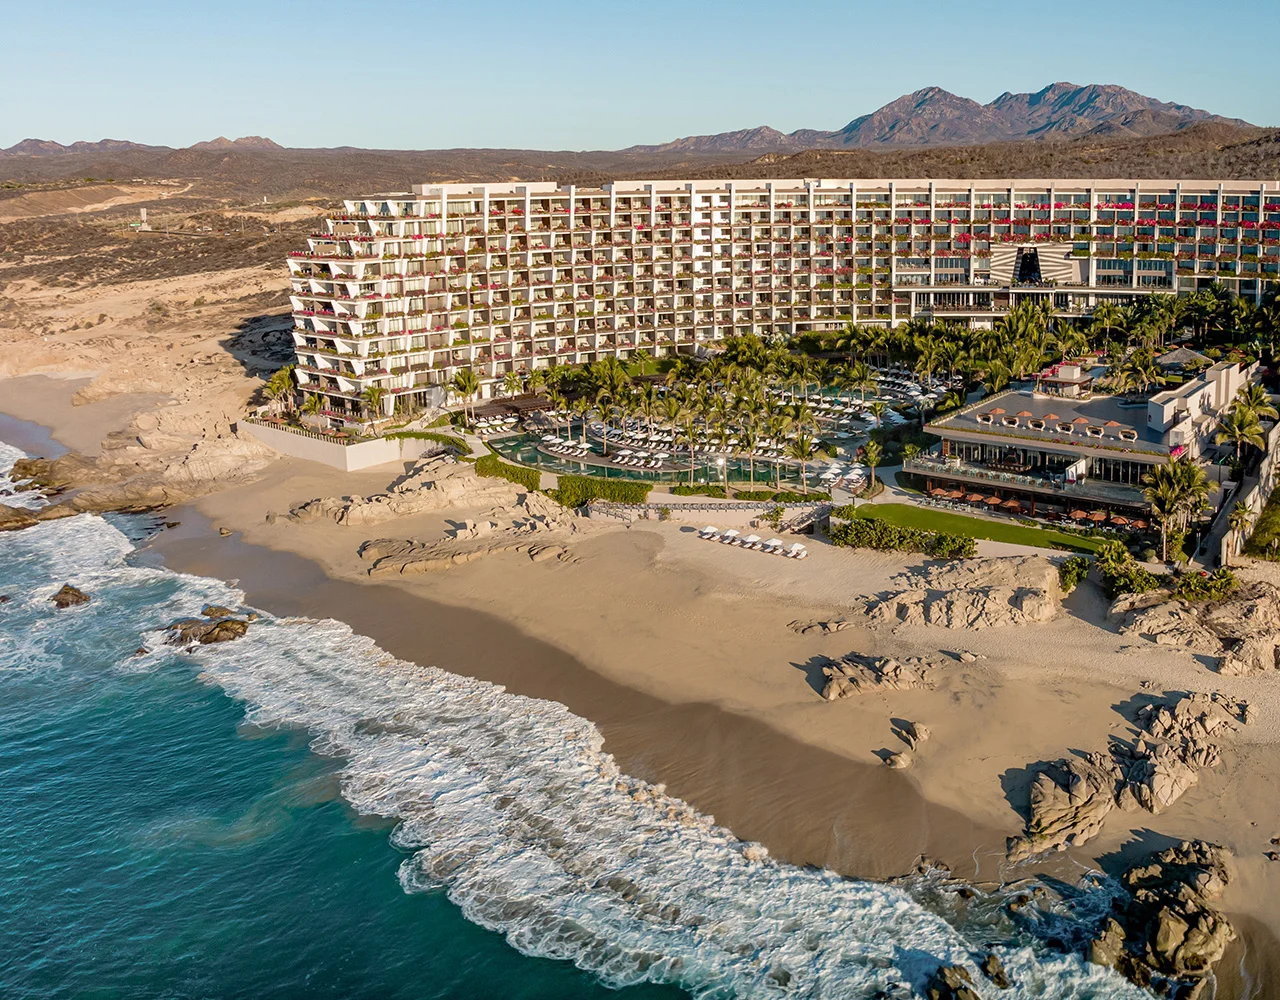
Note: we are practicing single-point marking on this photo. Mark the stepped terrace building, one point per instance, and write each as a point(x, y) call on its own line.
point(1073, 449)
point(401, 291)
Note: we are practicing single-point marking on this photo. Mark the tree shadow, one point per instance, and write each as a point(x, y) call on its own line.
point(262, 342)
point(812, 669)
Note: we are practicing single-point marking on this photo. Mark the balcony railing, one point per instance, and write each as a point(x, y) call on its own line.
point(933, 464)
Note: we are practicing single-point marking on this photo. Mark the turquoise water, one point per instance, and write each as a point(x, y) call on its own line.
point(298, 814)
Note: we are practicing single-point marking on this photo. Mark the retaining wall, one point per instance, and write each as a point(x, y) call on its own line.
point(347, 457)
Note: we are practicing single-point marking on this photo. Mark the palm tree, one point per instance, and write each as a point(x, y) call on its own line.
point(372, 397)
point(466, 384)
point(603, 400)
point(537, 380)
point(557, 402)
point(877, 410)
point(800, 447)
point(511, 384)
point(281, 386)
point(779, 425)
point(1175, 491)
point(872, 452)
point(1255, 398)
point(312, 405)
point(1240, 426)
point(580, 407)
point(1238, 522)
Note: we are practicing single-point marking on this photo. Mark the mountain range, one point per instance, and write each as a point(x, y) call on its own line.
point(47, 147)
point(936, 117)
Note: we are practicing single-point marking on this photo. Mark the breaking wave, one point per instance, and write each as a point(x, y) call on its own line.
point(510, 806)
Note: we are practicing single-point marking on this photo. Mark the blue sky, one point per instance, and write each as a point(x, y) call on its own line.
point(587, 75)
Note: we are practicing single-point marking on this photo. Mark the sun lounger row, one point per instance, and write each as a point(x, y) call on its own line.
point(567, 448)
point(772, 546)
point(638, 462)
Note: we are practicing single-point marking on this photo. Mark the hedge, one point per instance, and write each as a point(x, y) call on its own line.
point(889, 537)
point(574, 491)
point(1071, 572)
point(492, 465)
point(782, 496)
point(450, 439)
point(715, 492)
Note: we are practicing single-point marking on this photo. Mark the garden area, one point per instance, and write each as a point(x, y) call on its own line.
point(909, 516)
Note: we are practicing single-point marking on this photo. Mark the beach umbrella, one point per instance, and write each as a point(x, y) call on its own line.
point(1012, 504)
point(1098, 516)
point(956, 494)
point(1138, 523)
point(992, 501)
point(1117, 519)
point(937, 491)
point(1077, 515)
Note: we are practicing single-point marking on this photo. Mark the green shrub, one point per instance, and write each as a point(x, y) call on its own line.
point(846, 511)
point(492, 465)
point(574, 491)
point(1205, 586)
point(449, 439)
point(714, 491)
point(791, 496)
point(885, 536)
point(1071, 572)
point(1120, 573)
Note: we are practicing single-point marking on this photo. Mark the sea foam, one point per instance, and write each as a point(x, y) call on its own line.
point(511, 806)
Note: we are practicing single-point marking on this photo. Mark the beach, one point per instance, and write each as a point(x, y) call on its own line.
point(680, 651)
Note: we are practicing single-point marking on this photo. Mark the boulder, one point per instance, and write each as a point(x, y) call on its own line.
point(993, 969)
point(899, 761)
point(216, 611)
point(856, 674)
point(186, 631)
point(1069, 800)
point(972, 594)
point(1169, 924)
point(15, 518)
point(951, 982)
point(69, 597)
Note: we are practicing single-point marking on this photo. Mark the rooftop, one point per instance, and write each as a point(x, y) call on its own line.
point(1098, 422)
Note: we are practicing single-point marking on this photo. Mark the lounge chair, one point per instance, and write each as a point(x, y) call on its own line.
point(774, 546)
point(730, 537)
point(751, 542)
point(710, 531)
point(797, 551)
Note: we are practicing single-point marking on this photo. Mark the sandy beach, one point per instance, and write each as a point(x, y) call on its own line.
point(680, 652)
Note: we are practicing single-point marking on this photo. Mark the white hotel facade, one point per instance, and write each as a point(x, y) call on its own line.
point(401, 291)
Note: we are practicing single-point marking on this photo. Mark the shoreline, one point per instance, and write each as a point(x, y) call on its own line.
point(723, 764)
point(803, 794)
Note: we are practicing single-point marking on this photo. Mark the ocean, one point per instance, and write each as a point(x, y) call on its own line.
point(299, 814)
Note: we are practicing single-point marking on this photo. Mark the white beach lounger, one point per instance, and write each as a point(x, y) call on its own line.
point(774, 546)
point(730, 537)
point(797, 551)
point(710, 531)
point(751, 542)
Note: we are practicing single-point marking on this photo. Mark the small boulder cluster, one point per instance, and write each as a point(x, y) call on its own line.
point(216, 624)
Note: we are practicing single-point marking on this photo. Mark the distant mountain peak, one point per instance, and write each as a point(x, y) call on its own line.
point(244, 142)
point(47, 147)
point(933, 116)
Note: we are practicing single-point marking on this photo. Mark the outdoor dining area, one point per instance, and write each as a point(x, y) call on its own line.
point(969, 501)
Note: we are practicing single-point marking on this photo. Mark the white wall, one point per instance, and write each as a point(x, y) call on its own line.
point(347, 457)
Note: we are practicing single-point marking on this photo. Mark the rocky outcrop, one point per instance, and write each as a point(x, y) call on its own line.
point(972, 594)
point(1169, 926)
point(15, 518)
point(217, 624)
point(819, 627)
point(434, 484)
point(853, 675)
point(409, 557)
point(1242, 631)
point(69, 597)
point(912, 733)
point(951, 982)
point(1070, 798)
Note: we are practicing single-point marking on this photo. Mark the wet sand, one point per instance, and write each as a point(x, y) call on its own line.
point(807, 805)
point(50, 401)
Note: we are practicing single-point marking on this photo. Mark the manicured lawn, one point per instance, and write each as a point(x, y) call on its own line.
point(910, 516)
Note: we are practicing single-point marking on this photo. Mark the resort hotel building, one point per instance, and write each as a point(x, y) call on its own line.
point(1060, 447)
point(401, 291)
